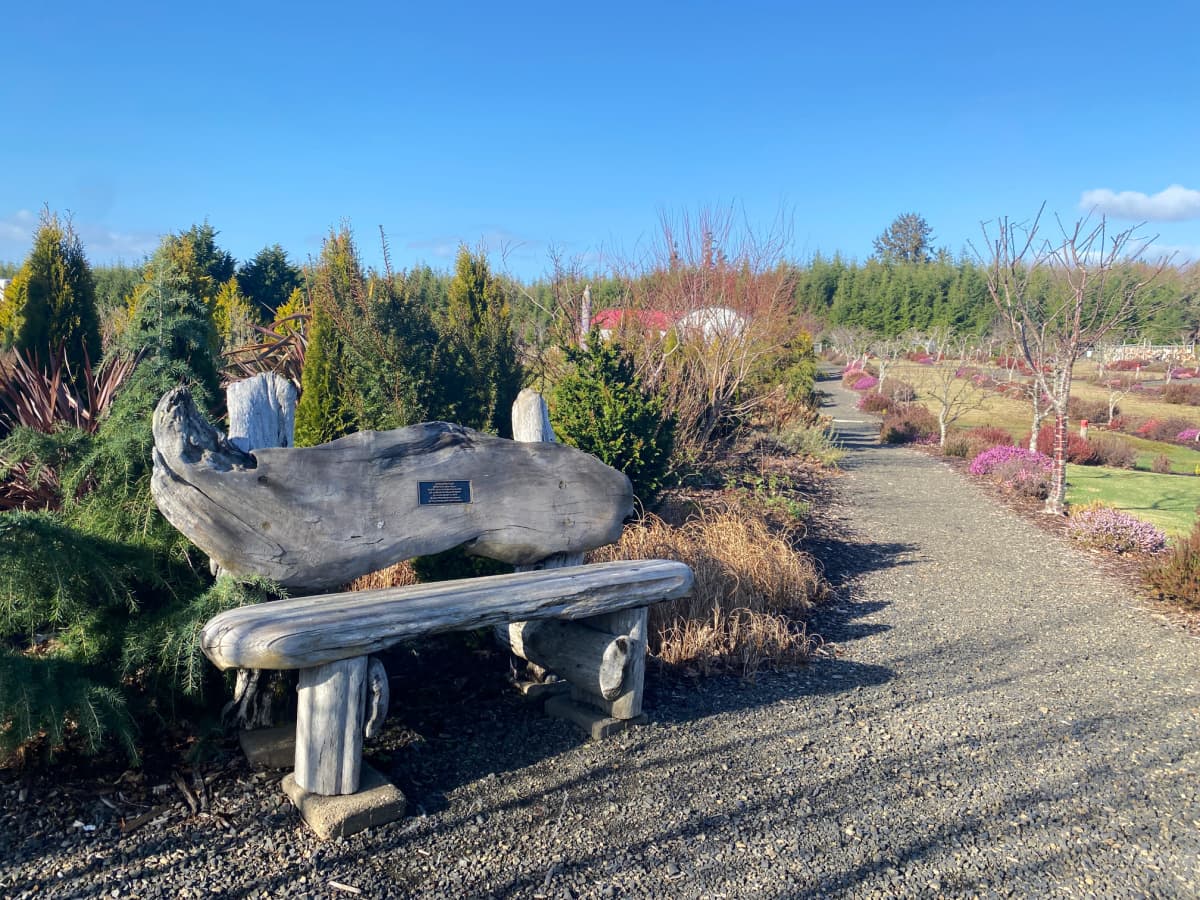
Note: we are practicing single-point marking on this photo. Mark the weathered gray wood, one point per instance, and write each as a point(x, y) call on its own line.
point(585, 316)
point(531, 424)
point(379, 696)
point(318, 517)
point(592, 660)
point(329, 726)
point(308, 631)
point(557, 561)
point(252, 703)
point(531, 418)
point(262, 412)
point(633, 624)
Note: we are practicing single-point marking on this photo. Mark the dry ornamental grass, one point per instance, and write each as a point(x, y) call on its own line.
point(399, 575)
point(751, 587)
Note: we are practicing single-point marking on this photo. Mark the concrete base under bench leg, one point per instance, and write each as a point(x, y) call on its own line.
point(270, 748)
point(595, 723)
point(376, 802)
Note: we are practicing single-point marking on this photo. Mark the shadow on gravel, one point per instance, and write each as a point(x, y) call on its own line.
point(462, 739)
point(676, 700)
point(838, 622)
point(846, 559)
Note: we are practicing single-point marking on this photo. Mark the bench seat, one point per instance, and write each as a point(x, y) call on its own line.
point(311, 631)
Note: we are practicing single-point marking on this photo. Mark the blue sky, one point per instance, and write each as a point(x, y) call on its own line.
point(528, 125)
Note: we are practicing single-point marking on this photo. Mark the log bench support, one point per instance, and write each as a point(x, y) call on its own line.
point(602, 658)
point(612, 644)
point(338, 704)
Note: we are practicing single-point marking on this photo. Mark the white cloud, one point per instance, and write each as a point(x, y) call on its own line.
point(1174, 204)
point(101, 243)
point(443, 248)
point(18, 226)
point(1180, 254)
point(105, 245)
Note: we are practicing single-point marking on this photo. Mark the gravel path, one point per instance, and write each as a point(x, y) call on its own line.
point(1001, 720)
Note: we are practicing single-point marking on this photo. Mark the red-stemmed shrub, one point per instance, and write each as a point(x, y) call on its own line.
point(908, 423)
point(974, 441)
point(1080, 451)
point(872, 402)
point(1182, 394)
point(1129, 365)
point(1162, 429)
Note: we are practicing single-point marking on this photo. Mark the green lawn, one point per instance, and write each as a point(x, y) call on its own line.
point(1169, 501)
point(1183, 459)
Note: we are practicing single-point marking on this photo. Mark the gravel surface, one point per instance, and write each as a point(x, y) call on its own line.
point(999, 720)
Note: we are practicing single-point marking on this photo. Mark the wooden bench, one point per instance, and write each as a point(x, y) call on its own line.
point(318, 517)
point(330, 638)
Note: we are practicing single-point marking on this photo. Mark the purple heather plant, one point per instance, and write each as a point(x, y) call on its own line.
point(1105, 528)
point(991, 459)
point(1188, 434)
point(866, 383)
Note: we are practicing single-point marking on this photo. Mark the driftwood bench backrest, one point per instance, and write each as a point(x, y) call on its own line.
point(316, 518)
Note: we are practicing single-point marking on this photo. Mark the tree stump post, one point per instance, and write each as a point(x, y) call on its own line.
point(602, 657)
point(329, 726)
point(262, 413)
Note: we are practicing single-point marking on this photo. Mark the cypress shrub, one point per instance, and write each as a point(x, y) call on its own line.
point(601, 407)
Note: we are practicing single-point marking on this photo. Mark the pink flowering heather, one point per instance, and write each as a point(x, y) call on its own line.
point(865, 383)
point(994, 457)
point(1188, 434)
point(1105, 528)
point(1183, 373)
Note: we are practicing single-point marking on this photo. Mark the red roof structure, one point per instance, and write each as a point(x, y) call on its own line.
point(613, 319)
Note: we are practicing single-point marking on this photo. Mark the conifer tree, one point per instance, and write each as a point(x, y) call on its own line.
point(269, 279)
point(52, 300)
point(233, 315)
point(322, 414)
point(297, 303)
point(478, 326)
point(198, 265)
point(374, 359)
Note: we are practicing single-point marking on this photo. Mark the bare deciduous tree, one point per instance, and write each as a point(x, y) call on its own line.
point(952, 396)
point(852, 343)
point(887, 352)
point(1060, 299)
point(729, 297)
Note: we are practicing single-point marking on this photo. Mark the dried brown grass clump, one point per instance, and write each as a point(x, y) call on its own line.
point(399, 575)
point(750, 587)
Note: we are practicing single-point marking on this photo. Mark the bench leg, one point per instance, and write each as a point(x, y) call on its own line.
point(329, 726)
point(631, 623)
